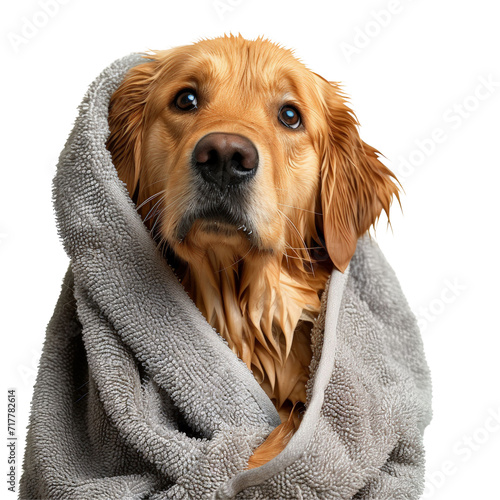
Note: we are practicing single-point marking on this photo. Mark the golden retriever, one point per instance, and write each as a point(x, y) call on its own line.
point(249, 171)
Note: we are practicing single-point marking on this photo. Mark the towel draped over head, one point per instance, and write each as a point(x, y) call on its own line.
point(137, 396)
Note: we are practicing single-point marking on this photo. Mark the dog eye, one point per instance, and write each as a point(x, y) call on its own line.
point(289, 117)
point(186, 100)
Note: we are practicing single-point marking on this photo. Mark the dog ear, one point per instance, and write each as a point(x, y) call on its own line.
point(355, 185)
point(126, 122)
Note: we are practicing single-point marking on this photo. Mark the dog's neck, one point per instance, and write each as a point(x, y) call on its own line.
point(264, 309)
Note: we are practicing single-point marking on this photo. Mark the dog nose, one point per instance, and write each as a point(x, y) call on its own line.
point(225, 159)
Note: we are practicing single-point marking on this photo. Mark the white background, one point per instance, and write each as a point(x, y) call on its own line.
point(409, 72)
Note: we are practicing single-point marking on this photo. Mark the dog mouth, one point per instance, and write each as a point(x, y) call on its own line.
point(222, 227)
point(220, 220)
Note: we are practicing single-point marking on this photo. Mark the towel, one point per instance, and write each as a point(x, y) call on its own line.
point(138, 397)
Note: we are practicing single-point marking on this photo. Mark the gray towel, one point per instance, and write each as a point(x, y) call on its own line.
point(138, 396)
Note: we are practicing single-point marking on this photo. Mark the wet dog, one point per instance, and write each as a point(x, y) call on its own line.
point(249, 171)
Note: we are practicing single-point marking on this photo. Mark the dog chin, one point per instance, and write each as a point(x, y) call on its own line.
point(219, 228)
point(214, 233)
point(221, 221)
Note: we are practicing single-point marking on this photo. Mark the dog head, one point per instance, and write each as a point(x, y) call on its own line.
point(234, 147)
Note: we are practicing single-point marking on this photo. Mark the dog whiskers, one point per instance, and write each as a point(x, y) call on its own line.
point(157, 219)
point(161, 212)
point(161, 244)
point(299, 248)
point(294, 250)
point(153, 208)
point(291, 256)
point(150, 198)
point(302, 209)
point(300, 237)
point(235, 262)
point(83, 385)
point(79, 399)
point(156, 182)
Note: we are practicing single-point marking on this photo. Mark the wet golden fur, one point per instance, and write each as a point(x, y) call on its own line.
point(317, 189)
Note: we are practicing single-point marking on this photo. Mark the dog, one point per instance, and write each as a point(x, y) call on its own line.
point(250, 174)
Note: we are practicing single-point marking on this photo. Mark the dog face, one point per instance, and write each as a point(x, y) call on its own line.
point(234, 147)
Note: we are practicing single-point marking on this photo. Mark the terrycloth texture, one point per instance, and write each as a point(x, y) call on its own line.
point(138, 397)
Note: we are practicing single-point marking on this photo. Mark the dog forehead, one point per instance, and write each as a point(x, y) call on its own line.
point(257, 64)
